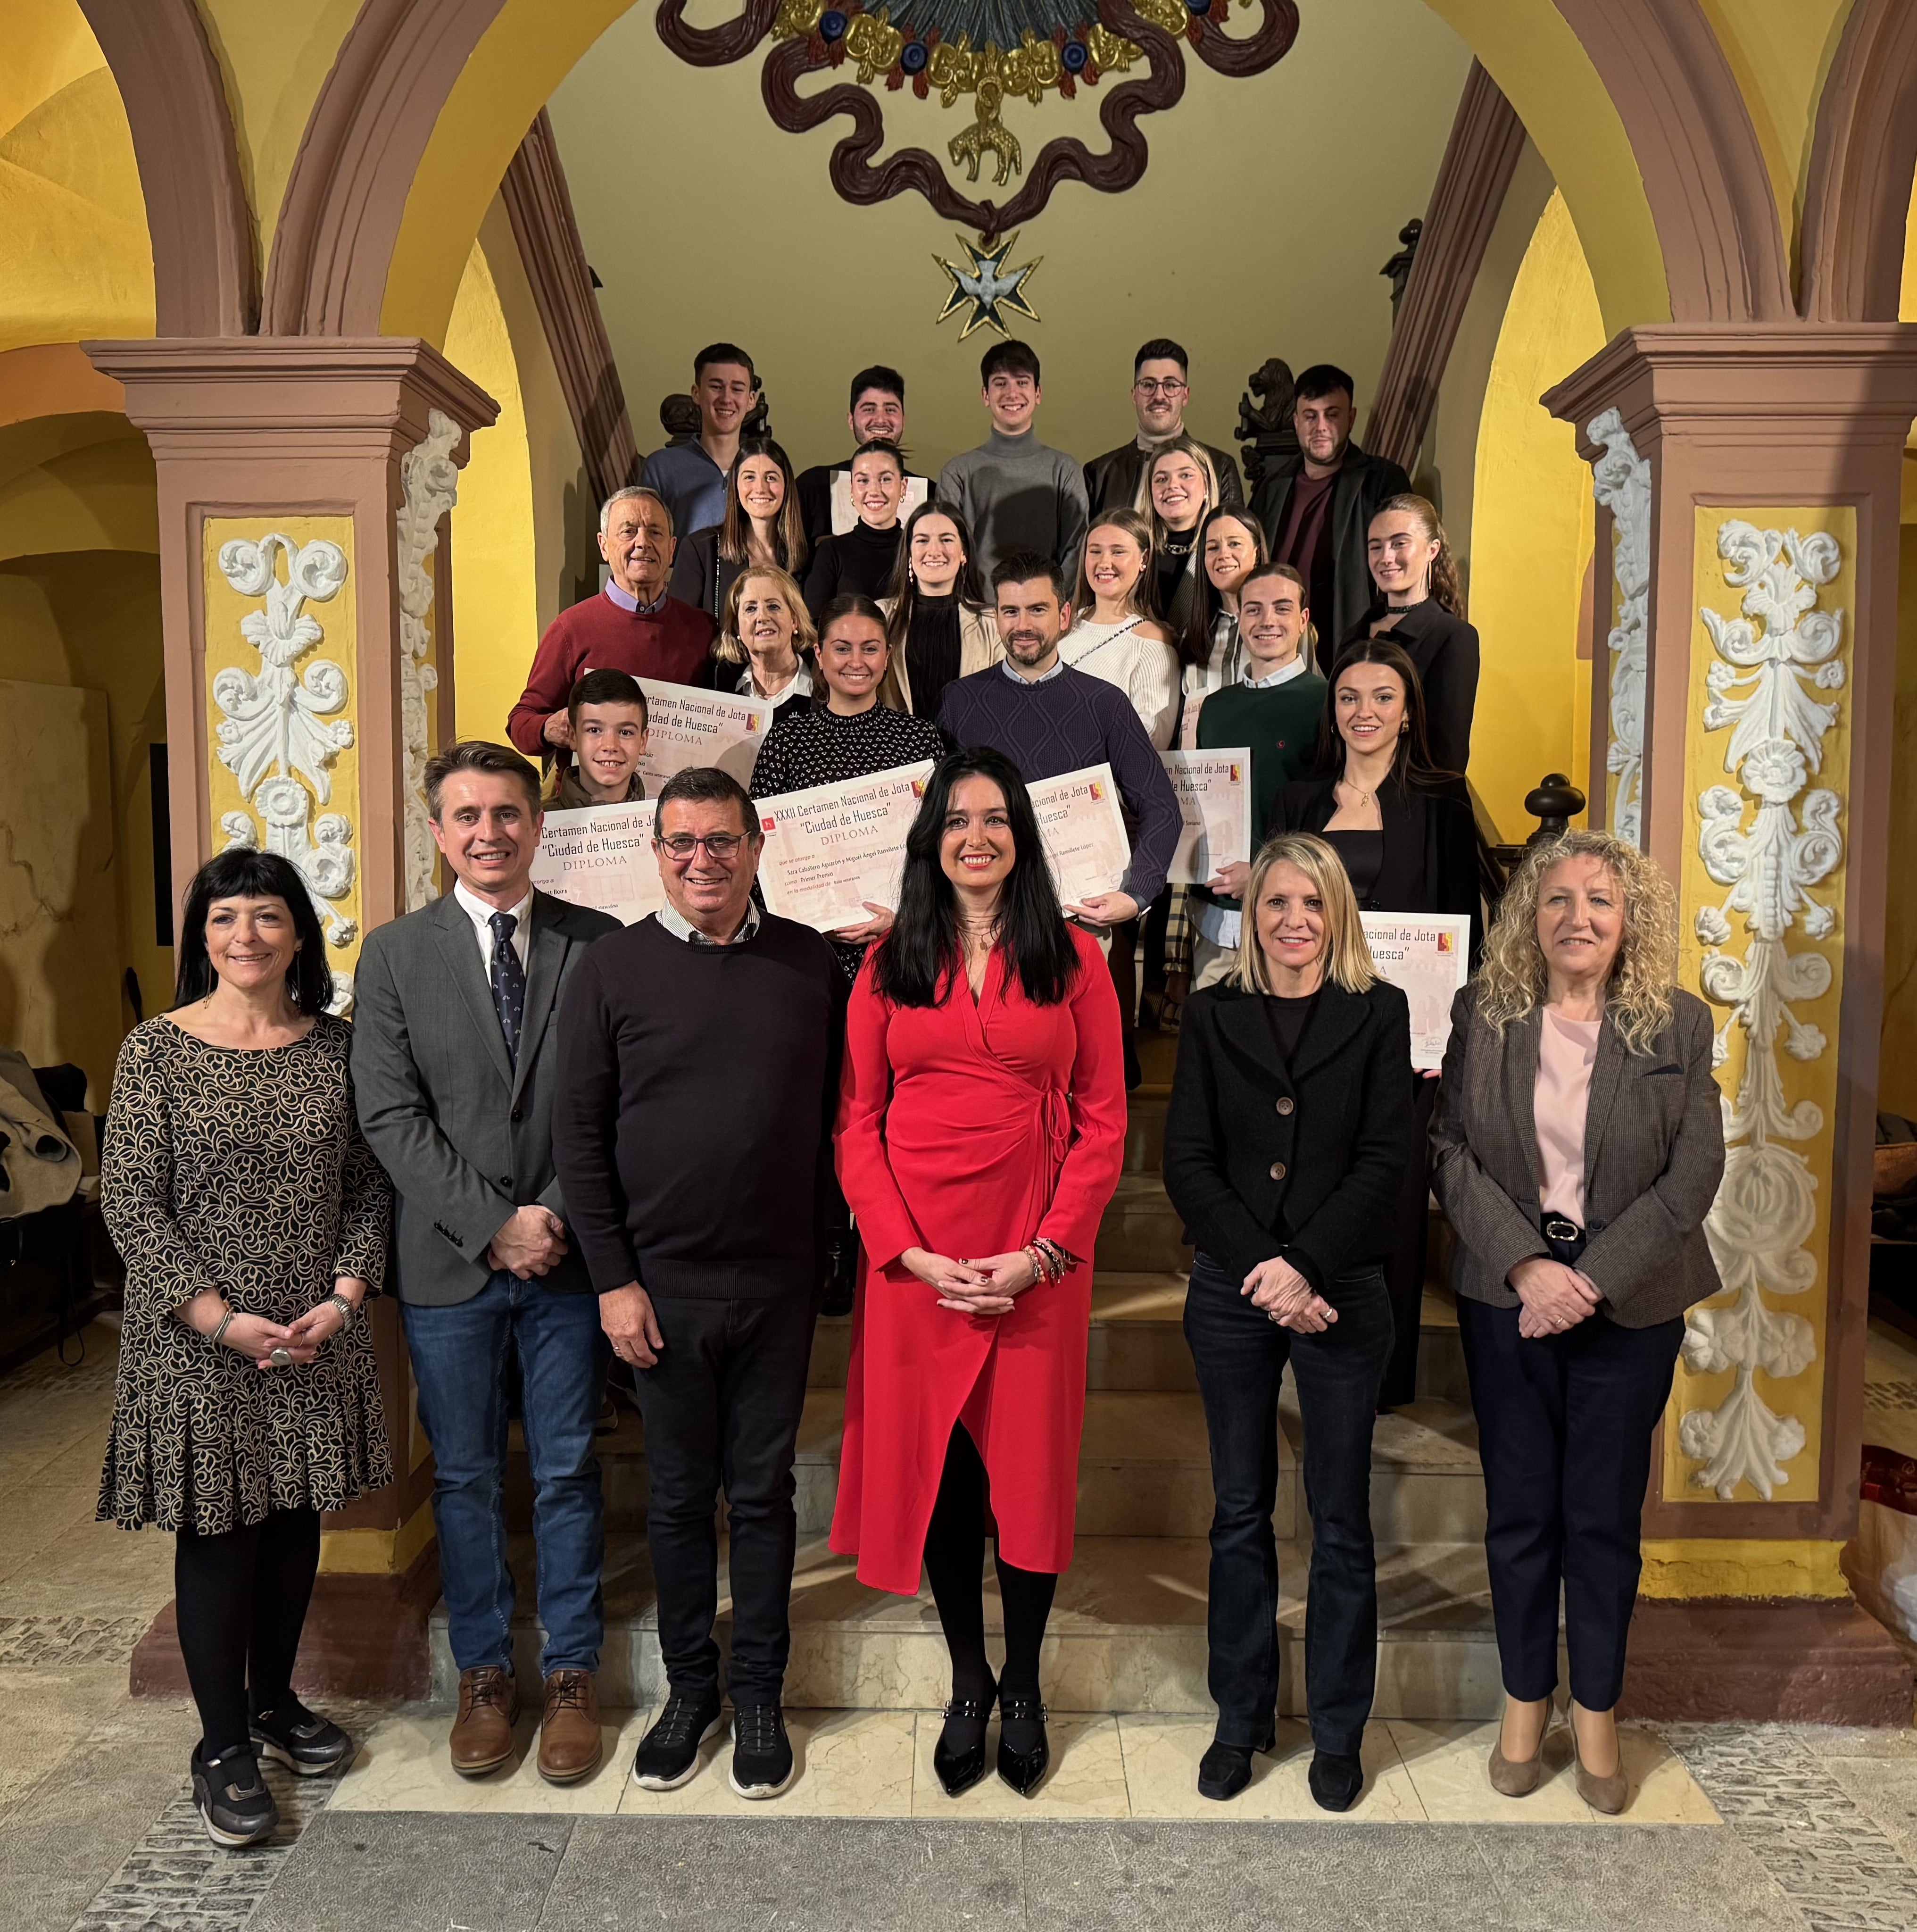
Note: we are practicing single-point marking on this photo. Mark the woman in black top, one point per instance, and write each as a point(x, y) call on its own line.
point(762, 525)
point(935, 622)
point(1420, 607)
point(860, 562)
point(1289, 1128)
point(851, 736)
point(1405, 832)
point(1181, 490)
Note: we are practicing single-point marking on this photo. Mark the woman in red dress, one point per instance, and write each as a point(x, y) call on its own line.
point(981, 1131)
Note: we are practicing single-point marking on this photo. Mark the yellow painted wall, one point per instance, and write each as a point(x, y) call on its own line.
point(1531, 533)
point(1242, 241)
point(74, 257)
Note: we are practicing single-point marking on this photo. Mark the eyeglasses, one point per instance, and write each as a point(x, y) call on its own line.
point(1171, 386)
point(722, 846)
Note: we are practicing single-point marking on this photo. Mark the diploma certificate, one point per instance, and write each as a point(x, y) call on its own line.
point(831, 847)
point(1427, 957)
point(686, 727)
point(601, 855)
point(1214, 796)
point(1083, 828)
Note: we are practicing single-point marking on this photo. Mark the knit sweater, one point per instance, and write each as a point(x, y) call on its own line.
point(668, 646)
point(1016, 493)
point(1280, 725)
point(692, 1127)
point(1067, 722)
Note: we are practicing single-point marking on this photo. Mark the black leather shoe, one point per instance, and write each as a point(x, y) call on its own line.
point(959, 1756)
point(1336, 1780)
point(1225, 1770)
point(1023, 1769)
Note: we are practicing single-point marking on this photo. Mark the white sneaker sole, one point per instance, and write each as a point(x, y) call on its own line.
point(756, 1791)
point(691, 1770)
point(233, 1841)
point(280, 1755)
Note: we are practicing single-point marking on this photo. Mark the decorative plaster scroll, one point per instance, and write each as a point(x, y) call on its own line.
point(279, 728)
point(1771, 660)
point(429, 482)
point(1622, 481)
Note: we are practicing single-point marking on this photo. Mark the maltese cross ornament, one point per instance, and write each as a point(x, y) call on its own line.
point(985, 291)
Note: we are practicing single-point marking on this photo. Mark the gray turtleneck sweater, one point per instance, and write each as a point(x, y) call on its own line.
point(1015, 493)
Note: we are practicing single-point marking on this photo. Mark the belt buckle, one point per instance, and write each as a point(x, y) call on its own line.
point(1557, 1227)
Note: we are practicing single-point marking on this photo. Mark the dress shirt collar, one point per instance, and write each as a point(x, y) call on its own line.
point(682, 927)
point(1018, 676)
point(476, 909)
point(800, 686)
point(626, 601)
point(1282, 675)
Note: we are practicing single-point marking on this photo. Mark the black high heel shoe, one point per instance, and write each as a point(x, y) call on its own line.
point(960, 1758)
point(1023, 1769)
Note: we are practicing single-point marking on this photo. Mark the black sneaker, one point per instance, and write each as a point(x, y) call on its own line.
point(761, 1753)
point(232, 1797)
point(669, 1753)
point(301, 1740)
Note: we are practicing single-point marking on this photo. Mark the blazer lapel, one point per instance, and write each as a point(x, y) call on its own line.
point(1520, 1066)
point(453, 935)
point(545, 953)
point(1607, 1076)
point(1338, 1016)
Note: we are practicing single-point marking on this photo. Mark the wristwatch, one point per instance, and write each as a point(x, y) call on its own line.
point(349, 1314)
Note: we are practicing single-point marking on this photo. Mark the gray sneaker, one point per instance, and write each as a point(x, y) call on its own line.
point(234, 1803)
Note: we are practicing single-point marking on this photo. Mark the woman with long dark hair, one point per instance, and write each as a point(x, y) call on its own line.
point(1403, 828)
point(252, 1219)
point(1231, 545)
point(762, 525)
point(937, 623)
point(981, 1131)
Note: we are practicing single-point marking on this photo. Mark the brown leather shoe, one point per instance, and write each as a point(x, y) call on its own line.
point(482, 1738)
point(569, 1744)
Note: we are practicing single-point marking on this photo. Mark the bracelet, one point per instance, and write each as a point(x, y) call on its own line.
point(349, 1314)
point(225, 1322)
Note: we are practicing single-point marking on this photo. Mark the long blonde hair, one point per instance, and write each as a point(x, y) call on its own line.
point(1512, 978)
point(1347, 952)
point(1084, 599)
point(729, 647)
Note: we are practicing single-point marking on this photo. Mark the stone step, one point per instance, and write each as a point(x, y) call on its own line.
point(1144, 1471)
point(1144, 1133)
point(1142, 1232)
point(1127, 1633)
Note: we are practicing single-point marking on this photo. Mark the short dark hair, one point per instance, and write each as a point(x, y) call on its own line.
point(1007, 358)
point(1321, 379)
point(877, 377)
point(1161, 348)
point(1259, 570)
point(244, 872)
point(1021, 566)
point(706, 785)
point(723, 351)
point(608, 687)
point(850, 604)
point(477, 754)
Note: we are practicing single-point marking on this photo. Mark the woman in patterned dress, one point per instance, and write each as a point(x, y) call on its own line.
point(252, 1219)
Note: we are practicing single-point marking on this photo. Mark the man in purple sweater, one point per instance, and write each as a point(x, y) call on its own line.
point(1049, 719)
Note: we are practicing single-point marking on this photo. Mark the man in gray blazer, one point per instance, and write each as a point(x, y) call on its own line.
point(455, 1059)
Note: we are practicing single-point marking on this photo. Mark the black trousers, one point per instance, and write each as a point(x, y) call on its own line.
point(240, 1598)
point(721, 1408)
point(1404, 1273)
point(1563, 1429)
point(1240, 1353)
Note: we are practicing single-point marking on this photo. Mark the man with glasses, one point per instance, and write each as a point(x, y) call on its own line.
point(698, 1057)
point(1160, 390)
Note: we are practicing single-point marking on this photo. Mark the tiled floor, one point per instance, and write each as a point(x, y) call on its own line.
point(1739, 1828)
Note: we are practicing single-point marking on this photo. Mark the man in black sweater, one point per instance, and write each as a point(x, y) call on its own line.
point(699, 1055)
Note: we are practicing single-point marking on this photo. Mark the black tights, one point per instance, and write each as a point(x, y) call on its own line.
point(955, 1562)
point(241, 1599)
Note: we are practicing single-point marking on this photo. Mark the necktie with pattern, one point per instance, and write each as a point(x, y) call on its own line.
point(508, 979)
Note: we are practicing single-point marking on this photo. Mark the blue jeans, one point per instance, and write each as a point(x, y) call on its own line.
point(1240, 1354)
point(458, 1363)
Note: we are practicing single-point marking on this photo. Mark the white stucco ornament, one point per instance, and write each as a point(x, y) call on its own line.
point(428, 481)
point(1773, 662)
point(1621, 479)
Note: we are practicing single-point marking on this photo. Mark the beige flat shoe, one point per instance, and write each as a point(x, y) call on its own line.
point(1608, 1794)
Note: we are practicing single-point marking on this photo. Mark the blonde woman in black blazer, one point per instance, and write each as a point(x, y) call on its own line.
point(1578, 1146)
point(1290, 1127)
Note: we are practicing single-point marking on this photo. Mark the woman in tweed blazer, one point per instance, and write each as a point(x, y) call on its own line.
point(1577, 1148)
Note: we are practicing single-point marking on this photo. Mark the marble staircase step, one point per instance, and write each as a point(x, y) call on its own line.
point(1127, 1633)
point(1141, 1230)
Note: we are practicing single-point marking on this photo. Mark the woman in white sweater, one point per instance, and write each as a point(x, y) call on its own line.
point(1114, 635)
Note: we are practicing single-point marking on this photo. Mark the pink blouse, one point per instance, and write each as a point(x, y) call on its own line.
point(1567, 1051)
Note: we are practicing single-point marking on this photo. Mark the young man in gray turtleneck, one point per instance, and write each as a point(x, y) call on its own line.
point(1014, 492)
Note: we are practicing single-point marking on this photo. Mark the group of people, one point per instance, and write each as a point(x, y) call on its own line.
point(554, 1138)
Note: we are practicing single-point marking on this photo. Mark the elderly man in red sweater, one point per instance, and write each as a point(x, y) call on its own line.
point(632, 625)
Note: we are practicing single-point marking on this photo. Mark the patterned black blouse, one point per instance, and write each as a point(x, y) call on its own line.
point(815, 748)
point(245, 1170)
